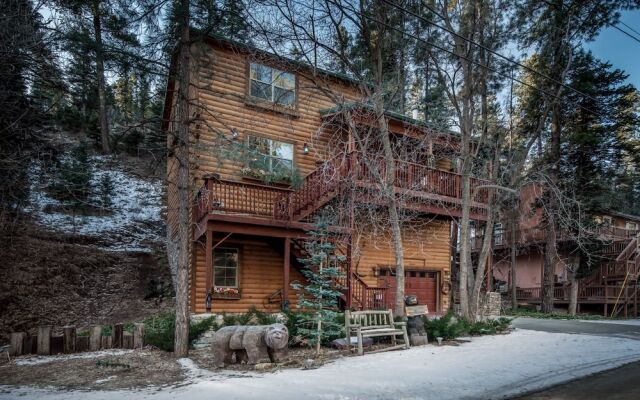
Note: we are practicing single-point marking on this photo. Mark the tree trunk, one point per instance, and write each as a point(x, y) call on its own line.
point(102, 95)
point(573, 293)
point(183, 182)
point(392, 206)
point(514, 258)
point(551, 251)
point(465, 251)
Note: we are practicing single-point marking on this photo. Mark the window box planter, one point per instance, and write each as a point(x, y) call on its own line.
point(225, 293)
point(265, 178)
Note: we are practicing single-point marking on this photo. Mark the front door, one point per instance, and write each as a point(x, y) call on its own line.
point(422, 284)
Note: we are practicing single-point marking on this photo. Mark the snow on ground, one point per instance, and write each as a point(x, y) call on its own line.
point(136, 206)
point(489, 367)
point(37, 360)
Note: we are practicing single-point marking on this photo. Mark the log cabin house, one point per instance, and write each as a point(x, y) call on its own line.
point(612, 286)
point(297, 123)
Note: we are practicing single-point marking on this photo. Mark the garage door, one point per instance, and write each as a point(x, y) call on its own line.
point(423, 284)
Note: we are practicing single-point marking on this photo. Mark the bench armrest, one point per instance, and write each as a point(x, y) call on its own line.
point(400, 323)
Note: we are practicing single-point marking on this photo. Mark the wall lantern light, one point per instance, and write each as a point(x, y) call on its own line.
point(305, 149)
point(234, 133)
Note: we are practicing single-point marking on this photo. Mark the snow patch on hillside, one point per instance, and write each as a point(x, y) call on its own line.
point(39, 360)
point(133, 223)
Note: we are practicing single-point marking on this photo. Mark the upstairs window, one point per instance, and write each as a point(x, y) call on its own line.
point(272, 85)
point(225, 268)
point(270, 156)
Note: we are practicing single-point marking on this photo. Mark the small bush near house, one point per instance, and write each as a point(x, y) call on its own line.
point(450, 327)
point(447, 327)
point(251, 317)
point(489, 327)
point(159, 331)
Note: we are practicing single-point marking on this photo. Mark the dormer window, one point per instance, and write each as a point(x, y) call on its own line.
point(272, 85)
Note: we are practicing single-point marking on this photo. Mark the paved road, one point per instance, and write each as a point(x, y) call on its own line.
point(624, 329)
point(615, 384)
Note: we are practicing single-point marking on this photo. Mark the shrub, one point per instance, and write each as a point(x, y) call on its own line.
point(72, 178)
point(106, 191)
point(160, 330)
point(450, 327)
point(447, 327)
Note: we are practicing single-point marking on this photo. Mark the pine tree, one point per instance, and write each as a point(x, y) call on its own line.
point(319, 294)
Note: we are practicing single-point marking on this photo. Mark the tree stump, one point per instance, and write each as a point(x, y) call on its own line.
point(44, 340)
point(138, 336)
point(127, 340)
point(117, 336)
point(17, 344)
point(69, 339)
point(95, 338)
point(106, 342)
point(82, 343)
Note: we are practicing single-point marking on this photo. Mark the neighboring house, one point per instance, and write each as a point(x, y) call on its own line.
point(251, 216)
point(612, 286)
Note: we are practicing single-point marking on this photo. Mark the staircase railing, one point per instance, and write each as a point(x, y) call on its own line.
point(629, 251)
point(368, 297)
point(328, 177)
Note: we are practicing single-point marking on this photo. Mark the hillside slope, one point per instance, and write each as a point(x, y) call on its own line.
point(86, 264)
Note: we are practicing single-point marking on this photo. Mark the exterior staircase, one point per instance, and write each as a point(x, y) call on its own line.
point(318, 188)
point(616, 280)
point(356, 293)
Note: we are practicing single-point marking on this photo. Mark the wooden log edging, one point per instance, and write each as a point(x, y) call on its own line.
point(74, 341)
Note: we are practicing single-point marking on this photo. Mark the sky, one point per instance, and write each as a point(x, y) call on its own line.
point(621, 50)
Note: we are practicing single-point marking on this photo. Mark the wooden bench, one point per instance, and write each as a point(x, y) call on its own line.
point(375, 324)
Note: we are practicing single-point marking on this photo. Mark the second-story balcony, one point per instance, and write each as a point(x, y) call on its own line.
point(618, 237)
point(417, 187)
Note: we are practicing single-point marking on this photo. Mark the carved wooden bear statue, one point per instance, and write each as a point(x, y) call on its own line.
point(250, 344)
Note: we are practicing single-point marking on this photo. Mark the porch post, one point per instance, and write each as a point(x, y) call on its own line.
point(209, 264)
point(286, 270)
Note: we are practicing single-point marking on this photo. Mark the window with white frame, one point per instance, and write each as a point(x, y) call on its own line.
point(225, 267)
point(270, 155)
point(272, 85)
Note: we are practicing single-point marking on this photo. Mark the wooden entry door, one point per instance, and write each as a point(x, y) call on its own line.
point(422, 284)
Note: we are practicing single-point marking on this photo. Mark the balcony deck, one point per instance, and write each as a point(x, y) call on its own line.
point(417, 187)
point(618, 236)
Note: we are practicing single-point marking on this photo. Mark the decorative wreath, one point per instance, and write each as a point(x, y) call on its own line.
point(445, 287)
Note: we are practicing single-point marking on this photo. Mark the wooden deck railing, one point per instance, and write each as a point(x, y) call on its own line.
point(236, 197)
point(537, 235)
point(328, 179)
point(588, 293)
point(329, 176)
point(418, 177)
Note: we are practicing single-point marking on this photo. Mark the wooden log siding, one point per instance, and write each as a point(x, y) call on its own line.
point(426, 248)
point(260, 275)
point(220, 87)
